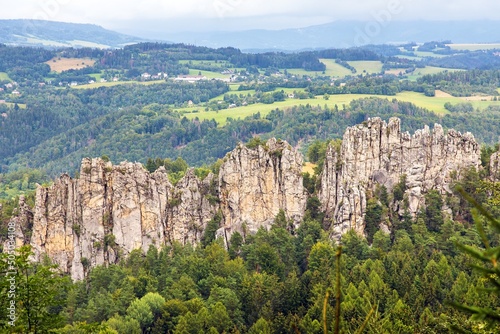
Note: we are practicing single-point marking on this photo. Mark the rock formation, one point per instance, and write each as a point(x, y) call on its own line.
point(256, 183)
point(112, 210)
point(377, 152)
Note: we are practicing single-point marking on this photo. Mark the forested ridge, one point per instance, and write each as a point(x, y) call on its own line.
point(135, 133)
point(281, 280)
point(284, 280)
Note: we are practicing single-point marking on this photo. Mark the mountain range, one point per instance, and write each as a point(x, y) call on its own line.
point(342, 34)
point(61, 34)
point(338, 34)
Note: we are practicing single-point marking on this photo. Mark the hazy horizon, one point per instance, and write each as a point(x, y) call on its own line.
point(234, 15)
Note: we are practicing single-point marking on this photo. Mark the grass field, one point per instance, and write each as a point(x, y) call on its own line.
point(435, 104)
point(194, 63)
point(474, 47)
point(209, 74)
point(335, 70)
point(366, 65)
point(301, 72)
point(428, 54)
point(242, 112)
point(20, 105)
point(4, 76)
point(64, 64)
point(429, 70)
point(112, 83)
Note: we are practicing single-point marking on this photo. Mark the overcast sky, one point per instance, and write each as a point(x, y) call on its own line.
point(192, 15)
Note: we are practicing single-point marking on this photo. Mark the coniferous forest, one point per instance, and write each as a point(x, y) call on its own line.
point(436, 272)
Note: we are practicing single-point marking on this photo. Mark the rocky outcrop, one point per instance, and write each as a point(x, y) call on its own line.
point(111, 210)
point(256, 183)
point(377, 152)
point(193, 204)
point(19, 227)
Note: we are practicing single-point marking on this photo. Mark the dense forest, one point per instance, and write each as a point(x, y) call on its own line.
point(286, 279)
point(135, 133)
point(414, 278)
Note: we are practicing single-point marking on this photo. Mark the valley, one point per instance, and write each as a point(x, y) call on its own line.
point(153, 187)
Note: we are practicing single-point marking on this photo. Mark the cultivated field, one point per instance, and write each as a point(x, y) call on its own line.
point(366, 66)
point(474, 47)
point(64, 64)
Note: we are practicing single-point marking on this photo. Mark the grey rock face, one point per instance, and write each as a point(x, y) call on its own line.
point(255, 184)
point(377, 152)
point(111, 210)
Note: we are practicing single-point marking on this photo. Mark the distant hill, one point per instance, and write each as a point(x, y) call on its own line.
point(60, 34)
point(347, 34)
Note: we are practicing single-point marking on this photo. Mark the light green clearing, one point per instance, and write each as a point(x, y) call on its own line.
point(4, 76)
point(300, 72)
point(112, 83)
point(474, 47)
point(369, 66)
point(193, 63)
point(20, 105)
point(88, 44)
point(332, 69)
point(253, 92)
point(45, 42)
point(435, 104)
point(335, 70)
point(428, 54)
point(429, 70)
point(209, 74)
point(96, 76)
point(409, 57)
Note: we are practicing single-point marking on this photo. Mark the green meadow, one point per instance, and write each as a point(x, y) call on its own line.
point(4, 76)
point(366, 66)
point(474, 47)
point(435, 104)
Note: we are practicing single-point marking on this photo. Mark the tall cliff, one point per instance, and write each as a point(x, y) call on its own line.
point(377, 152)
point(111, 210)
point(255, 184)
